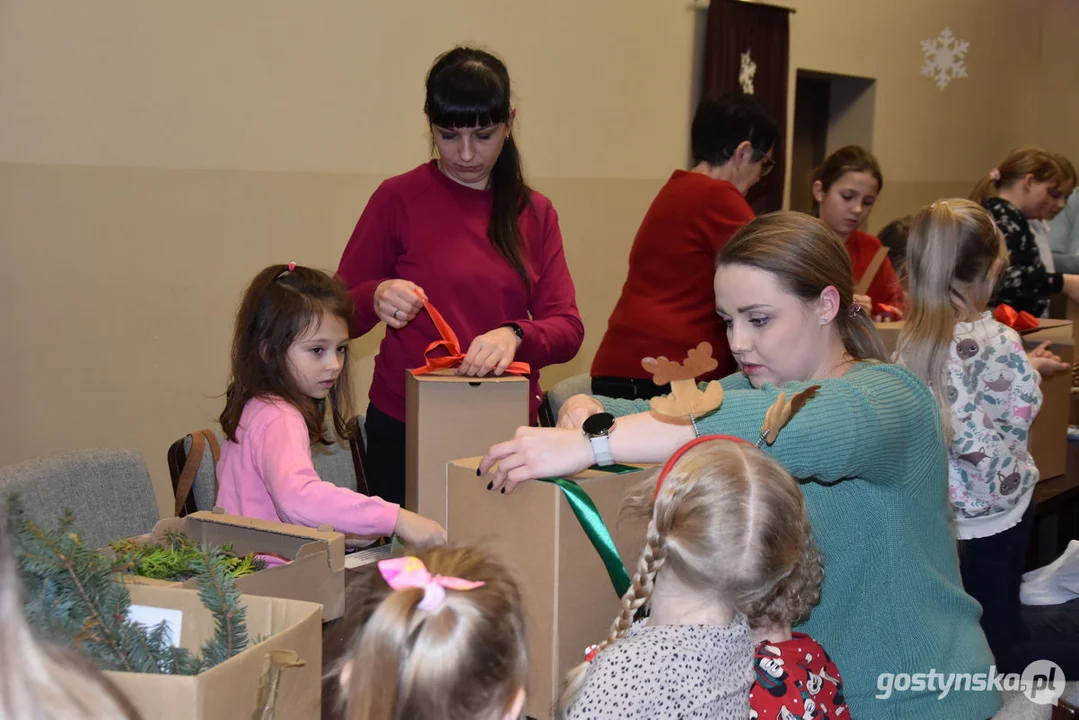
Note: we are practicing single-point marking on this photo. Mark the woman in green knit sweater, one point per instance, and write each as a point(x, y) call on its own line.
point(868, 447)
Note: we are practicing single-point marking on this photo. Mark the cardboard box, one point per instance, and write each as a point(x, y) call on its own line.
point(230, 691)
point(449, 416)
point(1049, 434)
point(316, 572)
point(568, 597)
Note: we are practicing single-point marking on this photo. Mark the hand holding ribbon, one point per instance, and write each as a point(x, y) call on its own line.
point(409, 572)
point(452, 346)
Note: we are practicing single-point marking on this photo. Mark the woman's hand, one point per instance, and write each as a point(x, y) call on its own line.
point(536, 453)
point(491, 352)
point(1045, 362)
point(866, 302)
point(396, 303)
point(417, 531)
point(576, 410)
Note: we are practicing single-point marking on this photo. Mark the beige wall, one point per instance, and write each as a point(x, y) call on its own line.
point(154, 156)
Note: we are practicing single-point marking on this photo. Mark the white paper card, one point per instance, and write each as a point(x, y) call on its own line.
point(151, 617)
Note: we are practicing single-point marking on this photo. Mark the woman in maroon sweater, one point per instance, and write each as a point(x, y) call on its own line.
point(466, 232)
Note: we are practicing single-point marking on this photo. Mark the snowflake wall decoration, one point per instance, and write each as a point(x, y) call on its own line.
point(746, 73)
point(944, 58)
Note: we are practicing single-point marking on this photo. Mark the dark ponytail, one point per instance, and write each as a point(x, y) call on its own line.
point(467, 87)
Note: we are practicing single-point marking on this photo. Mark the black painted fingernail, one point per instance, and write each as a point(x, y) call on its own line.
point(478, 473)
point(503, 491)
point(490, 484)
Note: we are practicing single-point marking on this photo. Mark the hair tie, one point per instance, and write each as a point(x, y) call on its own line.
point(409, 572)
point(291, 266)
point(682, 451)
point(994, 175)
point(854, 309)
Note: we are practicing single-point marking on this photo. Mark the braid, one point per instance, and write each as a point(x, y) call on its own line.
point(651, 560)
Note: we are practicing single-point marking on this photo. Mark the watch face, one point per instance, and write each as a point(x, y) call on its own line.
point(598, 425)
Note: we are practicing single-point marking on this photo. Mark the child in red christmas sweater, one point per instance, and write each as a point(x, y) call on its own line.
point(794, 676)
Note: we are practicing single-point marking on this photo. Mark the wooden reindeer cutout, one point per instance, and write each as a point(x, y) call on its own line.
point(686, 401)
point(781, 411)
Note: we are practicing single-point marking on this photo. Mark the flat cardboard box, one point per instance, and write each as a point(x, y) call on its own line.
point(1049, 434)
point(230, 691)
point(315, 573)
point(568, 597)
point(449, 416)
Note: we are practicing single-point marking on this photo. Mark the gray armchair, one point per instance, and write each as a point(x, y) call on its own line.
point(109, 491)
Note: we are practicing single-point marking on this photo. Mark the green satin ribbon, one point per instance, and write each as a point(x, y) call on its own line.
point(592, 523)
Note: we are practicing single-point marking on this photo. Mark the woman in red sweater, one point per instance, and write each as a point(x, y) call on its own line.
point(666, 306)
point(845, 187)
point(466, 232)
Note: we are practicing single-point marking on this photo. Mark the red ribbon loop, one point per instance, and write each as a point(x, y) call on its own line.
point(452, 346)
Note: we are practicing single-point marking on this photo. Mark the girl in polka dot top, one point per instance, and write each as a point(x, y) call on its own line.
point(729, 537)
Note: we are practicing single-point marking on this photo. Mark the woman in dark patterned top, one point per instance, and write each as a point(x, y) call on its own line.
point(1018, 190)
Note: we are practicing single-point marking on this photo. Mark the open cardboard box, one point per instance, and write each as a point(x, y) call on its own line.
point(449, 416)
point(1048, 440)
point(315, 571)
point(230, 691)
point(568, 598)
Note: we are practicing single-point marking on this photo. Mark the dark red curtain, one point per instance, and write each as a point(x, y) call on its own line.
point(736, 28)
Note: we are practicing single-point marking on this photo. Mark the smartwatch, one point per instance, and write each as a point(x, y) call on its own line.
point(598, 429)
point(517, 330)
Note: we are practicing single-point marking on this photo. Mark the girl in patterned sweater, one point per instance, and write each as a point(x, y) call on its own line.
point(729, 538)
point(988, 389)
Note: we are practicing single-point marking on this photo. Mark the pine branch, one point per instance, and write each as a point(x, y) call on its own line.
point(217, 589)
point(95, 620)
point(74, 598)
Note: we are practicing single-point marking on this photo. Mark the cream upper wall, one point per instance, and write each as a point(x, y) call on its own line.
point(602, 86)
point(154, 156)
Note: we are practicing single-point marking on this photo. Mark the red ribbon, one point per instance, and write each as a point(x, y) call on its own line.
point(682, 451)
point(452, 346)
point(1016, 320)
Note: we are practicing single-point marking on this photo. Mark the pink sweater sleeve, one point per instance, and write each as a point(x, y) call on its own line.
point(282, 455)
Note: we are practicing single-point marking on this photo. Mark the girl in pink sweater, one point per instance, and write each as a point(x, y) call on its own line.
point(289, 356)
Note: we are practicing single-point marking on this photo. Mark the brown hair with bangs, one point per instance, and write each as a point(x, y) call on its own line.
point(280, 306)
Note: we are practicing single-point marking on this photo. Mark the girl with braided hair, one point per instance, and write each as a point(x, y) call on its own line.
point(729, 538)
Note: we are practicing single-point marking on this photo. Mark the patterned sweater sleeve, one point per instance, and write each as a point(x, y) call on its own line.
point(994, 398)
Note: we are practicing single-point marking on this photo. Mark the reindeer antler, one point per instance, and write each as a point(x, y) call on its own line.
point(686, 399)
point(698, 361)
point(781, 412)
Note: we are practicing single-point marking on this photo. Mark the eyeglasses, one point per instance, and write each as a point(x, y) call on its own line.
point(767, 166)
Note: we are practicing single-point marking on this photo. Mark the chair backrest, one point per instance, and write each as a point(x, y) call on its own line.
point(109, 491)
point(342, 464)
point(560, 393)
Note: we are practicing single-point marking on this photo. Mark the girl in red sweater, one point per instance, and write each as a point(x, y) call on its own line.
point(845, 187)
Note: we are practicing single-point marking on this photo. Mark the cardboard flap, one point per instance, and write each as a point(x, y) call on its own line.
point(165, 526)
point(263, 536)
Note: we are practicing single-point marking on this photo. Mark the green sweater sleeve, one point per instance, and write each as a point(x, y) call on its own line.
point(860, 425)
